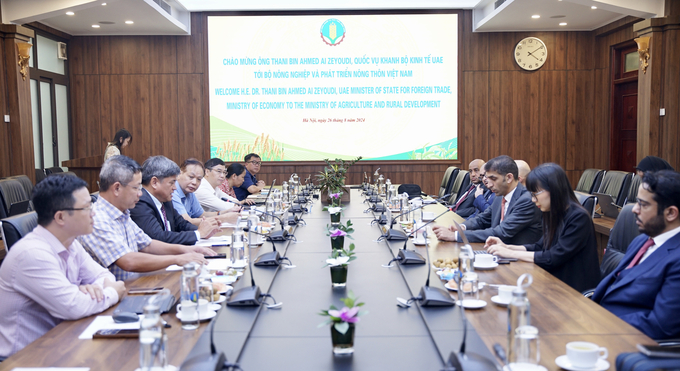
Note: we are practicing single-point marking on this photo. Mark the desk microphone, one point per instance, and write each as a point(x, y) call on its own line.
point(397, 235)
point(270, 258)
point(411, 256)
point(247, 296)
point(431, 296)
point(212, 361)
point(275, 236)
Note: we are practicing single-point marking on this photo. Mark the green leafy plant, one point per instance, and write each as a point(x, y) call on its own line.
point(332, 178)
point(341, 257)
point(340, 230)
point(341, 318)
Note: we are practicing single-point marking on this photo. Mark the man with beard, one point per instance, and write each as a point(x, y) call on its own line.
point(643, 289)
point(464, 206)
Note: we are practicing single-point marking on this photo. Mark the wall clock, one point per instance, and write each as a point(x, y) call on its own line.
point(530, 53)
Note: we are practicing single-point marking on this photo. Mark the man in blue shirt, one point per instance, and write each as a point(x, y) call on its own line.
point(184, 200)
point(250, 184)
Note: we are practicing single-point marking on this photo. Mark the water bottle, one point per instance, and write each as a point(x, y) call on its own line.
point(270, 210)
point(189, 296)
point(519, 311)
point(253, 222)
point(152, 340)
point(237, 246)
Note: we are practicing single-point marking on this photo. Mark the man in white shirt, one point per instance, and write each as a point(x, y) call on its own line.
point(47, 276)
point(208, 194)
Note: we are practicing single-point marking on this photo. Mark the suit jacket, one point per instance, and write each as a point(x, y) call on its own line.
point(646, 296)
point(466, 207)
point(150, 220)
point(572, 255)
point(522, 223)
point(482, 202)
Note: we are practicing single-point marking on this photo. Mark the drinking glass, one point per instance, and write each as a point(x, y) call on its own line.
point(526, 352)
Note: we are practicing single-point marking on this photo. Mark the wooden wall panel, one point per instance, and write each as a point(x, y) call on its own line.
point(580, 47)
point(136, 116)
point(552, 118)
point(83, 56)
point(475, 117)
point(5, 137)
point(190, 117)
point(670, 124)
point(580, 130)
point(163, 116)
point(85, 104)
point(163, 54)
point(190, 49)
point(474, 47)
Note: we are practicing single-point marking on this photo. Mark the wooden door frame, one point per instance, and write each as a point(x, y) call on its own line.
point(617, 64)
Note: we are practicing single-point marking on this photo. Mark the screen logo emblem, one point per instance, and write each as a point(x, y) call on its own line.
point(332, 32)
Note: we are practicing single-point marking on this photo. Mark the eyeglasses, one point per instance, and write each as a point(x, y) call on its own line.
point(533, 195)
point(89, 208)
point(256, 163)
point(138, 188)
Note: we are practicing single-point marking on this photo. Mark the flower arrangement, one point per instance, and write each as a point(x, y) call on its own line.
point(341, 318)
point(341, 257)
point(334, 205)
point(340, 230)
point(332, 178)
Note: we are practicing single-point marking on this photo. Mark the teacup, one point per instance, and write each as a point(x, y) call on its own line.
point(585, 355)
point(187, 307)
point(505, 293)
point(486, 259)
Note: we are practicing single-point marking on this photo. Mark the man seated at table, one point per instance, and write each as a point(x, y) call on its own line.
point(513, 217)
point(483, 195)
point(155, 214)
point(523, 170)
point(208, 194)
point(184, 200)
point(47, 276)
point(116, 242)
point(643, 289)
point(250, 184)
point(464, 206)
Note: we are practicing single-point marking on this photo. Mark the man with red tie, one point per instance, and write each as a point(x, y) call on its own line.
point(643, 289)
point(464, 206)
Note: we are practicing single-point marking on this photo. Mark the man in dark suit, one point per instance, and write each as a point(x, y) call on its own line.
point(155, 214)
point(483, 195)
point(464, 206)
point(512, 217)
point(643, 289)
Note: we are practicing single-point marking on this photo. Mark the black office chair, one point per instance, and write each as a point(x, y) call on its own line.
point(53, 170)
point(589, 202)
point(616, 184)
point(590, 181)
point(16, 227)
point(11, 191)
point(39, 175)
point(634, 186)
point(413, 190)
point(460, 185)
point(447, 181)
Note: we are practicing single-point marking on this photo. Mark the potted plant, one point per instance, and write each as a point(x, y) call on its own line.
point(339, 263)
point(332, 178)
point(334, 207)
point(343, 321)
point(338, 232)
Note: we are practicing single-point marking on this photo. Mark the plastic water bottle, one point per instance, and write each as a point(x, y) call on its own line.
point(152, 340)
point(189, 296)
point(519, 311)
point(253, 222)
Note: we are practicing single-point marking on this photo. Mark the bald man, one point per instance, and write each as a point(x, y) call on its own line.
point(464, 205)
point(524, 170)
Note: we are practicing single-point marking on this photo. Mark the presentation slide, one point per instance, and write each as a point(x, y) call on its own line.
point(306, 88)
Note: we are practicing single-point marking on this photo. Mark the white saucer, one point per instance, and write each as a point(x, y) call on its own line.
point(524, 367)
point(211, 314)
point(479, 266)
point(472, 304)
point(419, 242)
point(497, 300)
point(214, 307)
point(563, 362)
point(227, 280)
point(222, 299)
point(449, 287)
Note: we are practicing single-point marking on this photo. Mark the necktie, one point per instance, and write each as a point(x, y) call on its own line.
point(460, 201)
point(165, 218)
point(503, 208)
point(640, 253)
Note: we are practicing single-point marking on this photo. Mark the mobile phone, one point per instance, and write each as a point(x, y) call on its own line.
point(116, 334)
point(144, 290)
point(659, 351)
point(218, 256)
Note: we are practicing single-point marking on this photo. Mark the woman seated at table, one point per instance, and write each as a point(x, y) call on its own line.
point(567, 249)
point(235, 175)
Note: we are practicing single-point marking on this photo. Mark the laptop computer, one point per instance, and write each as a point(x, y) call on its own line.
point(136, 303)
point(19, 207)
point(261, 201)
point(607, 205)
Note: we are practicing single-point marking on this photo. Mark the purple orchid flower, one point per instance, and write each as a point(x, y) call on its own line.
point(338, 233)
point(345, 314)
point(335, 195)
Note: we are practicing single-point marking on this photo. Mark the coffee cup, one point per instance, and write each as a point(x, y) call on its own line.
point(188, 308)
point(505, 292)
point(585, 355)
point(486, 259)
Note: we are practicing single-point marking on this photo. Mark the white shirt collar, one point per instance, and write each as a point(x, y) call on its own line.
point(508, 197)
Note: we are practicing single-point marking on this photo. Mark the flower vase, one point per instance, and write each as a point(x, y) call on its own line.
point(335, 219)
point(337, 243)
point(343, 344)
point(339, 276)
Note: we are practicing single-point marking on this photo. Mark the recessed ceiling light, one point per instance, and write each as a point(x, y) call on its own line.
point(535, 16)
point(103, 4)
point(563, 23)
point(70, 13)
point(95, 26)
point(129, 22)
point(593, 7)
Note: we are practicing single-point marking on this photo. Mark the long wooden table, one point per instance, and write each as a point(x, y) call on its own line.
point(285, 340)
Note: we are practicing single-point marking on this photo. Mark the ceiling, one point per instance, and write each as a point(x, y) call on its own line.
point(149, 18)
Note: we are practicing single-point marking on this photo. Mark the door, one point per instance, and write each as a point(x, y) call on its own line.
point(623, 143)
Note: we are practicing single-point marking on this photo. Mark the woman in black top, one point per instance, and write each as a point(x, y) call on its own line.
point(568, 249)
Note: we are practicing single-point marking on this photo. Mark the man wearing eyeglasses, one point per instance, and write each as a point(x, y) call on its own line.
point(250, 184)
point(116, 242)
point(211, 198)
point(47, 276)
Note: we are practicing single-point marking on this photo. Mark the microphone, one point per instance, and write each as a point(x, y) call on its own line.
point(212, 361)
point(247, 296)
point(431, 296)
point(469, 361)
point(411, 256)
point(397, 235)
point(270, 258)
point(277, 236)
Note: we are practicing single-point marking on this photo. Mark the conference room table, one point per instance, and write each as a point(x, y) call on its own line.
point(388, 337)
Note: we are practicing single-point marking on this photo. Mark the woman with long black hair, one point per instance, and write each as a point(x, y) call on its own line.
point(568, 249)
point(121, 140)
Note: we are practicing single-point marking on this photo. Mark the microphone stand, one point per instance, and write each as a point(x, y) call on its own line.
point(397, 235)
point(270, 258)
point(277, 236)
point(405, 256)
point(431, 296)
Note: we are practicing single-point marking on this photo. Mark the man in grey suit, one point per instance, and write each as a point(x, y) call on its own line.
point(512, 217)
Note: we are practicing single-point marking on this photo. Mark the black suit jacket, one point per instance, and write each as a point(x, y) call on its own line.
point(466, 207)
point(572, 255)
point(149, 219)
point(521, 225)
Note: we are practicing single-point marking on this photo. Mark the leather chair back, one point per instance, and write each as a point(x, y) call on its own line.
point(53, 170)
point(413, 190)
point(39, 175)
point(590, 181)
point(446, 180)
point(11, 191)
point(461, 183)
point(616, 184)
point(621, 235)
point(634, 186)
point(587, 201)
point(16, 227)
